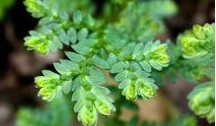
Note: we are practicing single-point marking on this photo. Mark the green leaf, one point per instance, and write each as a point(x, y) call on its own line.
point(147, 47)
point(63, 37)
point(135, 66)
point(127, 50)
point(138, 50)
point(81, 49)
point(146, 66)
point(112, 59)
point(117, 68)
point(66, 86)
point(61, 68)
point(99, 90)
point(96, 80)
point(100, 62)
point(49, 73)
point(77, 17)
point(77, 58)
point(79, 105)
point(72, 35)
point(124, 83)
point(155, 65)
point(78, 95)
point(55, 10)
point(82, 34)
point(76, 83)
point(71, 66)
point(94, 71)
point(121, 76)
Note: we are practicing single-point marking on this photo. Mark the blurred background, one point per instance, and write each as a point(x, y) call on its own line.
point(18, 67)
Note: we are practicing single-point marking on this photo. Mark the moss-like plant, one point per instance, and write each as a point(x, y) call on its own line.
point(120, 41)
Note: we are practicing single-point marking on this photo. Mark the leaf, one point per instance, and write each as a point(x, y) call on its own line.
point(56, 41)
point(94, 71)
point(112, 59)
point(60, 68)
point(77, 58)
point(100, 62)
point(96, 80)
point(82, 34)
point(147, 47)
point(118, 67)
point(155, 65)
point(100, 90)
point(124, 83)
point(71, 66)
point(138, 50)
point(55, 10)
point(66, 86)
point(78, 95)
point(135, 66)
point(77, 17)
point(121, 76)
point(49, 73)
point(128, 49)
point(79, 105)
point(72, 35)
point(63, 37)
point(146, 66)
point(81, 49)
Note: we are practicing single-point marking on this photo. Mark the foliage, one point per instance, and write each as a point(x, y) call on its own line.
point(202, 101)
point(56, 113)
point(198, 47)
point(120, 41)
point(4, 5)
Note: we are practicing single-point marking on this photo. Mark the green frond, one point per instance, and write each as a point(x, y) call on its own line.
point(201, 101)
point(55, 113)
point(197, 42)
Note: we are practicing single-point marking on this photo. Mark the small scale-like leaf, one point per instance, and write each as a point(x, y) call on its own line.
point(66, 86)
point(100, 62)
point(96, 80)
point(138, 49)
point(63, 37)
point(78, 94)
point(55, 10)
point(147, 47)
point(79, 105)
point(77, 17)
point(77, 58)
point(146, 66)
point(155, 65)
point(49, 73)
point(60, 68)
point(76, 83)
point(82, 34)
point(94, 71)
point(112, 59)
point(72, 35)
point(124, 83)
point(118, 67)
point(100, 90)
point(70, 65)
point(121, 76)
point(81, 49)
point(128, 49)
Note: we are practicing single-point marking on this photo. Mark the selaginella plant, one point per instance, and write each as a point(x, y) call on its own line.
point(198, 47)
point(119, 40)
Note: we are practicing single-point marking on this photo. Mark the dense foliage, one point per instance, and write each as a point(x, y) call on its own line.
point(118, 42)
